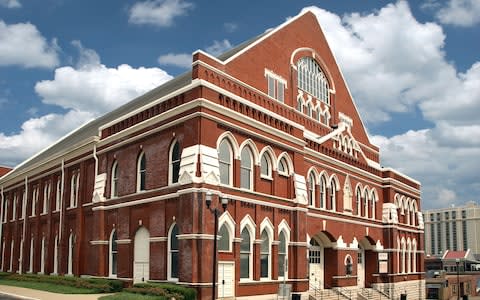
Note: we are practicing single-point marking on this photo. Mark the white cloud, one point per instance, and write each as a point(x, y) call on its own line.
point(86, 91)
point(38, 133)
point(218, 47)
point(23, 45)
point(460, 13)
point(158, 12)
point(182, 60)
point(390, 69)
point(93, 87)
point(10, 3)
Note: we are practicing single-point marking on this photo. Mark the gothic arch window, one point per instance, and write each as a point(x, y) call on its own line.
point(175, 155)
point(265, 248)
point(46, 197)
point(333, 194)
point(71, 241)
point(323, 192)
point(282, 254)
point(173, 248)
point(309, 109)
point(359, 201)
point(113, 254)
point(365, 202)
point(245, 253)
point(114, 183)
point(141, 172)
point(246, 168)
point(58, 195)
point(225, 158)
point(266, 166)
point(74, 187)
point(224, 241)
point(312, 80)
point(311, 188)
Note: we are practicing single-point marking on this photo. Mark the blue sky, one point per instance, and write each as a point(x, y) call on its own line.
point(413, 69)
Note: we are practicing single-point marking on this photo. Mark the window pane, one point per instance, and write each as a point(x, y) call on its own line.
point(265, 242)
point(245, 244)
point(265, 165)
point(281, 265)
point(175, 160)
point(264, 265)
point(246, 169)
point(225, 160)
point(224, 173)
point(271, 86)
point(173, 238)
point(174, 265)
point(244, 265)
point(224, 242)
point(280, 91)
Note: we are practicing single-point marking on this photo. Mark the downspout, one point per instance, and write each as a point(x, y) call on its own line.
point(25, 218)
point(1, 220)
point(60, 223)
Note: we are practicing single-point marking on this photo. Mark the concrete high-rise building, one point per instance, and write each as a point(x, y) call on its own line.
point(452, 228)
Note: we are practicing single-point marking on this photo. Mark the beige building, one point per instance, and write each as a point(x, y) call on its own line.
point(453, 228)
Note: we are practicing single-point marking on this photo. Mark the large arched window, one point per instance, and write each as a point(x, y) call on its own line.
point(283, 167)
point(333, 194)
point(74, 186)
point(365, 202)
point(309, 109)
point(141, 172)
point(225, 161)
point(245, 253)
point(312, 80)
point(58, 195)
point(359, 201)
point(113, 254)
point(175, 155)
point(266, 166)
point(46, 197)
point(34, 201)
point(173, 253)
point(224, 241)
point(282, 254)
point(114, 187)
point(265, 255)
point(246, 169)
point(311, 189)
point(323, 191)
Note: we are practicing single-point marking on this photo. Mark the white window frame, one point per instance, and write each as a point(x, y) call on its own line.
point(312, 182)
point(114, 180)
point(58, 195)
point(33, 213)
point(283, 227)
point(170, 251)
point(46, 198)
point(171, 162)
point(139, 173)
point(250, 168)
point(71, 242)
point(229, 147)
point(110, 255)
point(267, 226)
point(286, 169)
point(227, 220)
point(42, 257)
point(30, 263)
point(248, 224)
point(269, 166)
point(74, 188)
point(278, 84)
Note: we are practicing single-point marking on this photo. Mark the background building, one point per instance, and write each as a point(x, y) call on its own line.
point(453, 228)
point(269, 125)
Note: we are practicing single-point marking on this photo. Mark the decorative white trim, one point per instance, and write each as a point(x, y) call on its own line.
point(99, 242)
point(158, 239)
point(124, 241)
point(195, 236)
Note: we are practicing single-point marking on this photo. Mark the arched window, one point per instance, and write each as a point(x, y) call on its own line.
point(141, 172)
point(333, 194)
point(312, 80)
point(55, 256)
point(46, 197)
point(245, 253)
point(404, 250)
point(5, 211)
point(70, 254)
point(311, 189)
point(11, 256)
point(323, 192)
point(225, 161)
point(74, 189)
point(283, 167)
point(414, 253)
point(42, 256)
point(175, 155)
point(173, 253)
point(266, 166)
point(359, 201)
point(309, 109)
point(114, 187)
point(409, 256)
point(224, 241)
point(318, 113)
point(113, 254)
point(282, 254)
point(246, 169)
point(365, 202)
point(30, 267)
point(14, 207)
point(374, 202)
point(300, 104)
point(34, 201)
point(58, 195)
point(265, 255)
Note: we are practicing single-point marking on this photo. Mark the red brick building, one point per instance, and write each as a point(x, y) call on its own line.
point(270, 125)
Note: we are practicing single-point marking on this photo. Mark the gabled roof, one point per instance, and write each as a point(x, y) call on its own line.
point(4, 170)
point(449, 254)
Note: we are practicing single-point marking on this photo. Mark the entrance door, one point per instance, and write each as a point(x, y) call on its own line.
point(361, 268)
point(226, 279)
point(315, 271)
point(141, 262)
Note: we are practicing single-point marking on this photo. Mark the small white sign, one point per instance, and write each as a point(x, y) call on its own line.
point(382, 256)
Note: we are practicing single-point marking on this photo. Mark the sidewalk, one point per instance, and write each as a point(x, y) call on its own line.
point(24, 293)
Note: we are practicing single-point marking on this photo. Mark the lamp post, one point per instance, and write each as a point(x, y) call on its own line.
point(457, 262)
point(216, 212)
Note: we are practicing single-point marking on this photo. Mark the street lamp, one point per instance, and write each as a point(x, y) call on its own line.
point(457, 262)
point(216, 212)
